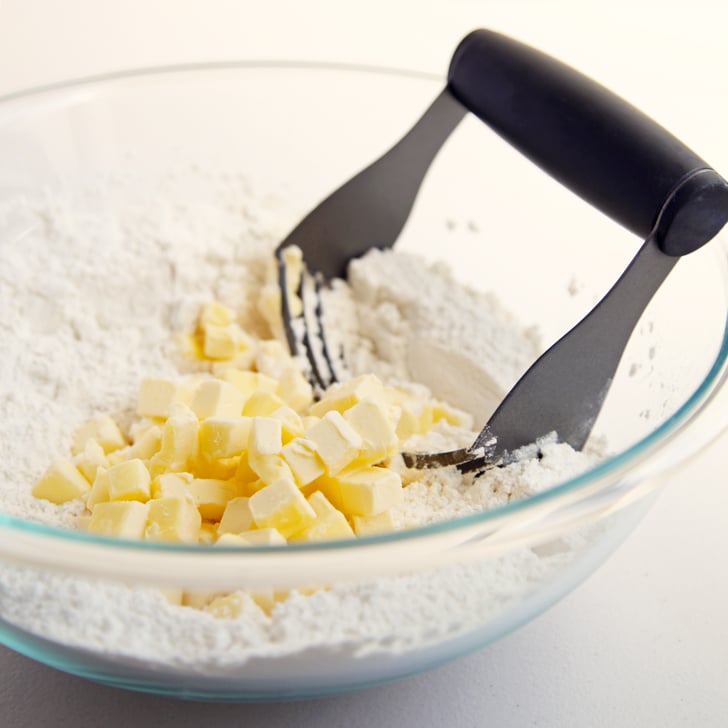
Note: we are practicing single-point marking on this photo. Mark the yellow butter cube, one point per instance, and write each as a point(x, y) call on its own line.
point(172, 596)
point(262, 404)
point(179, 441)
point(301, 457)
point(236, 518)
point(373, 525)
point(92, 458)
point(230, 606)
point(263, 537)
point(223, 469)
point(374, 424)
point(330, 523)
point(269, 468)
point(341, 397)
point(220, 342)
point(156, 396)
point(281, 505)
point(125, 519)
point(224, 437)
point(211, 496)
point(247, 383)
point(170, 485)
point(337, 442)
point(215, 313)
point(173, 519)
point(129, 480)
point(216, 398)
point(199, 599)
point(208, 533)
point(368, 491)
point(61, 482)
point(294, 389)
point(230, 539)
point(99, 492)
point(266, 436)
point(291, 423)
point(102, 429)
point(147, 444)
point(186, 389)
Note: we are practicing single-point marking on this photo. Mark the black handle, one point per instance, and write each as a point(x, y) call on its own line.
point(592, 141)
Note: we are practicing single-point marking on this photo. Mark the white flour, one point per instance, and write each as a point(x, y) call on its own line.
point(92, 288)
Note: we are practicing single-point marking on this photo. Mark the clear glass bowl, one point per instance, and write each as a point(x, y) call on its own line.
point(297, 131)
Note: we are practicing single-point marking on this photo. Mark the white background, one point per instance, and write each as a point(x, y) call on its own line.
point(645, 641)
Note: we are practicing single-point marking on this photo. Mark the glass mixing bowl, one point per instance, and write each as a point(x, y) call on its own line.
point(296, 131)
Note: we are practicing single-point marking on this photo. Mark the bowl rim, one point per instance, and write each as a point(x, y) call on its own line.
point(626, 460)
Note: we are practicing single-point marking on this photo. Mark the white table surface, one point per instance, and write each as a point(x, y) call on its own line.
point(644, 642)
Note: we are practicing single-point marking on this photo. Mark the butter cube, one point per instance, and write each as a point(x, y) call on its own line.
point(341, 397)
point(373, 423)
point(223, 469)
point(102, 429)
point(224, 437)
point(301, 457)
point(208, 533)
point(266, 436)
point(179, 441)
point(156, 396)
point(294, 389)
point(369, 491)
point(373, 525)
point(199, 599)
point(129, 480)
point(215, 313)
point(247, 383)
point(336, 441)
point(99, 492)
point(125, 519)
point(262, 404)
point(61, 482)
point(269, 468)
point(212, 496)
point(236, 517)
point(220, 342)
point(230, 539)
point(216, 398)
point(170, 485)
point(92, 458)
point(263, 537)
point(330, 523)
point(147, 444)
point(291, 423)
point(230, 606)
point(173, 519)
point(281, 505)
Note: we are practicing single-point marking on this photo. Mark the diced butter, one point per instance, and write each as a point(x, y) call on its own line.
point(99, 492)
point(199, 599)
point(372, 525)
point(237, 517)
point(208, 533)
point(281, 505)
point(129, 480)
point(368, 491)
point(102, 429)
point(147, 444)
point(247, 383)
point(330, 523)
point(265, 436)
point(294, 389)
point(262, 404)
point(263, 537)
point(215, 313)
point(156, 396)
point(61, 482)
point(212, 496)
point(173, 519)
point(301, 457)
point(337, 443)
point(224, 437)
point(172, 596)
point(230, 606)
point(230, 539)
point(171, 485)
point(272, 357)
point(223, 469)
point(220, 342)
point(291, 423)
point(179, 441)
point(341, 397)
point(269, 468)
point(216, 398)
point(92, 458)
point(374, 424)
point(125, 519)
